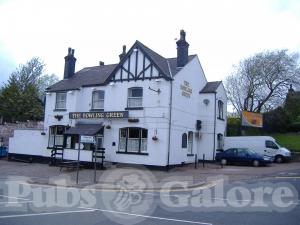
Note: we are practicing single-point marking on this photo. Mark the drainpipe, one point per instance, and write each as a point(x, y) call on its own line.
point(170, 117)
point(215, 115)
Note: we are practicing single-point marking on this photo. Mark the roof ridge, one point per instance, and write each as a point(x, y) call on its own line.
point(137, 41)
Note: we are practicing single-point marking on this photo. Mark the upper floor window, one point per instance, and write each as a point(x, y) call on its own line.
point(220, 109)
point(135, 97)
point(98, 100)
point(61, 98)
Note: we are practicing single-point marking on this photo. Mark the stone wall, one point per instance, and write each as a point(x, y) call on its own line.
point(7, 129)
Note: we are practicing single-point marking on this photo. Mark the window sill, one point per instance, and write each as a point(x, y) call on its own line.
point(220, 119)
point(134, 108)
point(190, 154)
point(132, 153)
point(59, 110)
point(96, 110)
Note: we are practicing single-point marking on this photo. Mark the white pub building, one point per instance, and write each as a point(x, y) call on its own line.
point(146, 109)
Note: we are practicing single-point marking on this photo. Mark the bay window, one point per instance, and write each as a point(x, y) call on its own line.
point(56, 136)
point(133, 140)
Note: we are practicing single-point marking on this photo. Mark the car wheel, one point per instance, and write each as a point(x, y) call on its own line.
point(224, 161)
point(279, 159)
point(256, 163)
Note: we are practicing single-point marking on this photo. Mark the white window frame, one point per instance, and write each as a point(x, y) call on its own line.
point(190, 139)
point(220, 109)
point(99, 100)
point(133, 102)
point(132, 145)
point(62, 101)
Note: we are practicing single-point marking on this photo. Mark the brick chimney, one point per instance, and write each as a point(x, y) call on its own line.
point(123, 53)
point(182, 50)
point(70, 61)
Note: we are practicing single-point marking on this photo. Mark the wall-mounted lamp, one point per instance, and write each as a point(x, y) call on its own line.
point(206, 101)
point(70, 92)
point(94, 89)
point(157, 80)
point(135, 50)
point(158, 90)
point(48, 93)
point(111, 84)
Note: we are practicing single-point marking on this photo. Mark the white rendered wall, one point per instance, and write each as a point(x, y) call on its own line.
point(28, 142)
point(185, 110)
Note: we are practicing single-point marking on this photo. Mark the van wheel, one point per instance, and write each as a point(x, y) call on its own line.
point(223, 162)
point(279, 159)
point(255, 163)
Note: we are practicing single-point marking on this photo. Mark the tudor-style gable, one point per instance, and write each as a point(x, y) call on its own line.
point(137, 64)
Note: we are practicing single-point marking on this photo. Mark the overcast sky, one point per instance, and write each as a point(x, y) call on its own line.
point(220, 32)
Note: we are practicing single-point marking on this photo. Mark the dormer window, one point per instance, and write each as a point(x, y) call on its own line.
point(61, 98)
point(135, 97)
point(98, 100)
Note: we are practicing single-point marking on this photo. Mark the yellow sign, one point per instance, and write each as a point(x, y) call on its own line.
point(251, 119)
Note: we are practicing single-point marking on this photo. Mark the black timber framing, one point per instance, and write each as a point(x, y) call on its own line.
point(120, 65)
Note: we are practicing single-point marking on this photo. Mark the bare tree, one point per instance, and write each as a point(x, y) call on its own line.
point(260, 83)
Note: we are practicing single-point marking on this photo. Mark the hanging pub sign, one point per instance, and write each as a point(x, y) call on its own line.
point(98, 115)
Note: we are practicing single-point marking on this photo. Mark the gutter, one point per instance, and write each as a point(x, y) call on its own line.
point(170, 117)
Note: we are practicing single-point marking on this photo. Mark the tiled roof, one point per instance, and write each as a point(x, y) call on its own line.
point(211, 87)
point(86, 77)
point(99, 75)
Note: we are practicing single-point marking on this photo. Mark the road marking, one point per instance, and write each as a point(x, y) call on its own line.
point(286, 177)
point(47, 213)
point(7, 196)
point(15, 202)
point(149, 217)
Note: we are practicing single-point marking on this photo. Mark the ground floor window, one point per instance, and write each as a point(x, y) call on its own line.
point(56, 136)
point(190, 142)
point(133, 139)
point(71, 141)
point(184, 140)
point(220, 143)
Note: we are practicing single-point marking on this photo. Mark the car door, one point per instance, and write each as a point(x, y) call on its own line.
point(231, 155)
point(243, 156)
point(270, 148)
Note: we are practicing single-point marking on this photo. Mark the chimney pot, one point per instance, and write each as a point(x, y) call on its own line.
point(101, 63)
point(123, 53)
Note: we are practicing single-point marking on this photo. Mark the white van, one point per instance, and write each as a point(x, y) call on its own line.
point(263, 145)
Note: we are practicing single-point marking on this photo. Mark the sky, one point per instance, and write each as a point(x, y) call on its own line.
point(220, 32)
